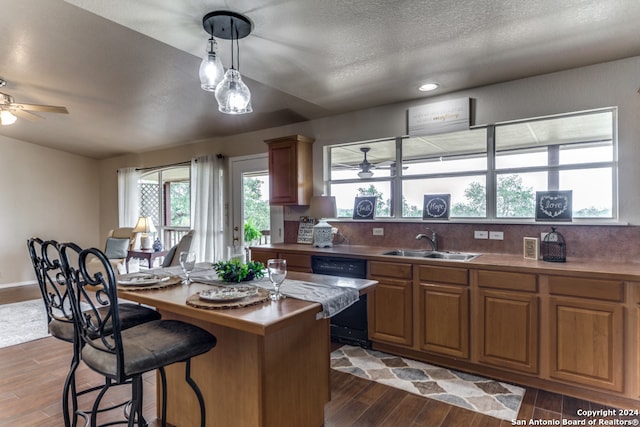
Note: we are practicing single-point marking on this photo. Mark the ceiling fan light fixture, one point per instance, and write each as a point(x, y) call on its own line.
point(365, 174)
point(7, 118)
point(211, 70)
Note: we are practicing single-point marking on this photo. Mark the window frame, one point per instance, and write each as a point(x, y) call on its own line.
point(491, 172)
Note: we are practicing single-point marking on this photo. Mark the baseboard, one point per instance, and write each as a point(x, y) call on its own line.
point(13, 285)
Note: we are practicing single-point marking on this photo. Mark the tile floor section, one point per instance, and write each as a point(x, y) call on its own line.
point(489, 397)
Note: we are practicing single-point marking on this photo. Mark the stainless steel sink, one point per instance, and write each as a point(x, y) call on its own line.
point(450, 256)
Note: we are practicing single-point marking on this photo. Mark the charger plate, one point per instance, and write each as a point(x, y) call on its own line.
point(259, 297)
point(171, 281)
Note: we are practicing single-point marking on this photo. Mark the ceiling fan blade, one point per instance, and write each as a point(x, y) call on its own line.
point(41, 108)
point(25, 115)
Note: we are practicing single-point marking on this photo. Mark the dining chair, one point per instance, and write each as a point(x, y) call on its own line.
point(124, 355)
point(52, 281)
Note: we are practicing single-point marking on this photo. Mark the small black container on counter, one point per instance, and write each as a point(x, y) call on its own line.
point(553, 247)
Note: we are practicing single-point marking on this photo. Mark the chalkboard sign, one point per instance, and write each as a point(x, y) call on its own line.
point(305, 230)
point(554, 205)
point(364, 207)
point(436, 206)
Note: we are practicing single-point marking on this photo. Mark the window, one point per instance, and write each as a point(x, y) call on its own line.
point(165, 196)
point(512, 160)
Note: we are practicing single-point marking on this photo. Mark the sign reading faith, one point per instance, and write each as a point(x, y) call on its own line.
point(436, 206)
point(554, 205)
point(439, 117)
point(364, 207)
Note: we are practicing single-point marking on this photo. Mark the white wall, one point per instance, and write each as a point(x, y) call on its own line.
point(45, 193)
point(602, 85)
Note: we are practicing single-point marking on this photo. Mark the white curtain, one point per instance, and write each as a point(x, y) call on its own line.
point(207, 209)
point(128, 197)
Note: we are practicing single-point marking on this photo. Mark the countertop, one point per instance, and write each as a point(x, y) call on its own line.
point(588, 267)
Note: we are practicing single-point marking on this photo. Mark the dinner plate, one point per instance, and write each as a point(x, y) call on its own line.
point(143, 280)
point(228, 293)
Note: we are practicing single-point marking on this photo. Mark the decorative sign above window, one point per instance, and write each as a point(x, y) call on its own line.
point(554, 205)
point(364, 207)
point(436, 206)
point(439, 117)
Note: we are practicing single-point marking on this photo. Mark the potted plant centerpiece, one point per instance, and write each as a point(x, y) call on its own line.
point(237, 271)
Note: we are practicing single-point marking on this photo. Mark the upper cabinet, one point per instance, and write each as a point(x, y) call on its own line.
point(290, 170)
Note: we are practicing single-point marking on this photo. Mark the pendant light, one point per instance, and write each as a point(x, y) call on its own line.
point(232, 94)
point(211, 70)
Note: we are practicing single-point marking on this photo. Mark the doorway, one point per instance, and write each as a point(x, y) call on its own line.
point(254, 221)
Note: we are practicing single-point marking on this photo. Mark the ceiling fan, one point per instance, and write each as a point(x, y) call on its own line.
point(366, 166)
point(10, 110)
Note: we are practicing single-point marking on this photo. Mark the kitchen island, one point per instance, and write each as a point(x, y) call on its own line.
point(270, 366)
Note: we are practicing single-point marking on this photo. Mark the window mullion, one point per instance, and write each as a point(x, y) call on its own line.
point(491, 186)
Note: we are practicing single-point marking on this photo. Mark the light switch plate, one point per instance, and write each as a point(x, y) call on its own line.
point(496, 235)
point(480, 234)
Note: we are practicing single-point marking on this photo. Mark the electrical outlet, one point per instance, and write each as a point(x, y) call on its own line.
point(480, 234)
point(496, 235)
point(378, 231)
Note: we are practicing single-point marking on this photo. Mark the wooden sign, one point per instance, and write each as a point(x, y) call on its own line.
point(554, 205)
point(305, 230)
point(364, 207)
point(436, 206)
point(439, 117)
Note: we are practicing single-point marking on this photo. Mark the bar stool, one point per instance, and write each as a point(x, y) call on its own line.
point(123, 355)
point(45, 257)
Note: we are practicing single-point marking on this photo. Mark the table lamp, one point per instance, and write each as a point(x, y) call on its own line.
point(145, 226)
point(323, 207)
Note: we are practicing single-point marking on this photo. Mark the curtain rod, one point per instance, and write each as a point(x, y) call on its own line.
point(188, 162)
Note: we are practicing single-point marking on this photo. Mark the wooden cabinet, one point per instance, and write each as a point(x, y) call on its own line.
point(442, 313)
point(390, 305)
point(295, 261)
point(290, 170)
point(507, 326)
point(587, 329)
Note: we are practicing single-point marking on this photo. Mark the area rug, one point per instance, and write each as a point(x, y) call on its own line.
point(489, 397)
point(21, 322)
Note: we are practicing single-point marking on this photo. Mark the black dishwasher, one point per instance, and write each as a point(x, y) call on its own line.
point(350, 325)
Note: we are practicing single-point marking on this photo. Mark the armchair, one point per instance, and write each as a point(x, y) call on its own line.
point(119, 242)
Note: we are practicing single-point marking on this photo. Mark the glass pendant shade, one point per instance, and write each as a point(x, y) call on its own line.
point(211, 70)
point(233, 95)
point(7, 118)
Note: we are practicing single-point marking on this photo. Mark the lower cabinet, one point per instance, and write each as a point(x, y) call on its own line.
point(442, 312)
point(508, 320)
point(587, 332)
point(390, 305)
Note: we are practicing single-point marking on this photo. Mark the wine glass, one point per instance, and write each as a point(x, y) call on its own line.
point(187, 262)
point(277, 272)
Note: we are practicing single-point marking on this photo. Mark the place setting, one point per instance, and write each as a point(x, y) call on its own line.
point(230, 288)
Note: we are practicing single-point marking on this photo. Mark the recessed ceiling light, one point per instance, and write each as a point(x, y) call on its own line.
point(428, 87)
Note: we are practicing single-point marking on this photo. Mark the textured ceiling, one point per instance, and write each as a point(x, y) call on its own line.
point(128, 71)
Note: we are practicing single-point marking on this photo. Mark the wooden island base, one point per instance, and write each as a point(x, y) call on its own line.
point(278, 379)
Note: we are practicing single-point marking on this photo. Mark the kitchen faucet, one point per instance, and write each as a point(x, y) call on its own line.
point(433, 239)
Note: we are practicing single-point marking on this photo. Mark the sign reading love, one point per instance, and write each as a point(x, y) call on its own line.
point(554, 205)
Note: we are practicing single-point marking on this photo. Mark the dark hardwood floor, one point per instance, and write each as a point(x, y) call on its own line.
point(31, 377)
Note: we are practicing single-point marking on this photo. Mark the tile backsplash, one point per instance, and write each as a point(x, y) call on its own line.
point(606, 243)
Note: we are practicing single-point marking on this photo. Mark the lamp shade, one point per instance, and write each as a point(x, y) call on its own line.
point(323, 207)
point(7, 118)
point(144, 225)
point(211, 70)
point(233, 95)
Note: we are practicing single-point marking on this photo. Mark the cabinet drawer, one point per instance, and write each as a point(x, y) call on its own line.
point(608, 290)
point(508, 280)
point(390, 269)
point(452, 275)
point(297, 262)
